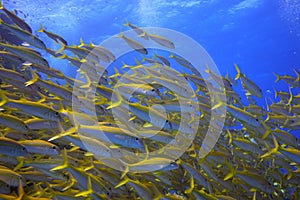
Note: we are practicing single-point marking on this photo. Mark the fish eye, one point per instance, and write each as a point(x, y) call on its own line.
point(23, 149)
point(153, 90)
point(256, 119)
point(54, 147)
point(136, 139)
point(259, 147)
point(107, 150)
point(107, 193)
point(109, 188)
point(20, 177)
point(167, 121)
point(56, 113)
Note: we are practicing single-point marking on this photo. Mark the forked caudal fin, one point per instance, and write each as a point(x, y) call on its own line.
point(239, 73)
point(65, 162)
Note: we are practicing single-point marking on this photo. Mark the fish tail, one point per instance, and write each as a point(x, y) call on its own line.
point(61, 49)
point(267, 105)
point(239, 74)
point(232, 171)
point(275, 91)
point(123, 182)
point(82, 44)
point(3, 98)
point(127, 23)
point(144, 58)
point(64, 133)
point(117, 73)
point(64, 56)
point(272, 151)
point(65, 164)
point(298, 76)
point(20, 190)
point(34, 79)
point(219, 104)
point(121, 35)
point(192, 185)
point(291, 97)
point(144, 35)
point(278, 78)
point(42, 29)
point(1, 5)
point(116, 103)
point(268, 130)
point(88, 191)
point(137, 61)
point(21, 163)
point(125, 66)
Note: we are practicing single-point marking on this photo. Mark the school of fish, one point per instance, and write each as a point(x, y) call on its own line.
point(42, 156)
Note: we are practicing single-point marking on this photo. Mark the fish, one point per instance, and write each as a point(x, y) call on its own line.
point(80, 175)
point(13, 123)
point(11, 147)
point(134, 44)
point(12, 75)
point(163, 59)
point(240, 114)
point(36, 109)
point(200, 178)
point(249, 85)
point(105, 54)
point(37, 124)
point(53, 36)
point(99, 51)
point(185, 63)
point(58, 90)
point(18, 21)
point(140, 32)
point(143, 190)
point(11, 57)
point(10, 177)
point(148, 164)
point(291, 80)
point(96, 147)
point(26, 55)
point(40, 147)
point(130, 88)
point(161, 40)
point(24, 35)
point(247, 146)
point(111, 135)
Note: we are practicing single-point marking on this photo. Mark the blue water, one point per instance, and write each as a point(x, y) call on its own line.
point(262, 36)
